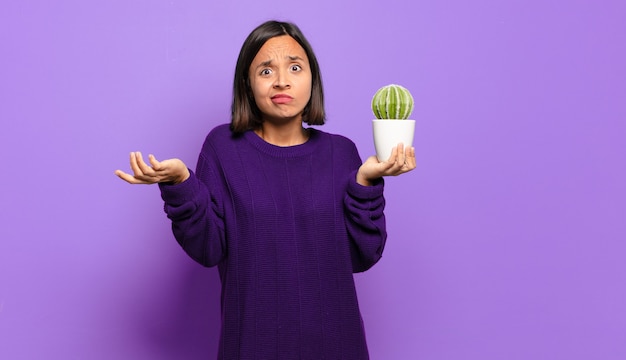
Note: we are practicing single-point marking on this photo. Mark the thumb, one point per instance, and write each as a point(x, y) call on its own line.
point(156, 165)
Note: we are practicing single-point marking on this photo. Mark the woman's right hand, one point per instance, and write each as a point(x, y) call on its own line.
point(172, 171)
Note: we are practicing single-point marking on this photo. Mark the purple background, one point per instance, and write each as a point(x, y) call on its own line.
point(507, 242)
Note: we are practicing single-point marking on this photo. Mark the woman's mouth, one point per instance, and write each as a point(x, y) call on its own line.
point(281, 99)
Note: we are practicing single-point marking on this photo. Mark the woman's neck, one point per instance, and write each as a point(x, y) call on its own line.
point(283, 135)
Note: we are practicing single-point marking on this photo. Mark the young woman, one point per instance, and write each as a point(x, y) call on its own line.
point(286, 212)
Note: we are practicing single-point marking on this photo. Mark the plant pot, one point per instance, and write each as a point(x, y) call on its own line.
point(389, 133)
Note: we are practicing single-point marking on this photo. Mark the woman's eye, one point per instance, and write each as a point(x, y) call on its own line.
point(266, 72)
point(296, 68)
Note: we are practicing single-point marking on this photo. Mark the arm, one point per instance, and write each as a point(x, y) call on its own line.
point(195, 215)
point(365, 222)
point(364, 204)
point(194, 206)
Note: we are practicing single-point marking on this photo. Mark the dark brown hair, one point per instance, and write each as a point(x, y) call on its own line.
point(245, 113)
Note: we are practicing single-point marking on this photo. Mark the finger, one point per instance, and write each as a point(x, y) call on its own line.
point(411, 162)
point(387, 168)
point(145, 169)
point(142, 172)
point(129, 178)
point(134, 166)
point(156, 165)
point(393, 156)
point(398, 162)
point(374, 169)
point(401, 155)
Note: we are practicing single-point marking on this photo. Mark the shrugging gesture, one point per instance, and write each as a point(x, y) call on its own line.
point(277, 207)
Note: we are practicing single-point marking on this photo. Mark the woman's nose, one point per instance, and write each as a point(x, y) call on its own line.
point(282, 80)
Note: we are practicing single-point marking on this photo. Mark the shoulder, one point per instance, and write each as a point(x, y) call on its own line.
point(219, 139)
point(338, 141)
point(220, 132)
point(220, 135)
point(342, 149)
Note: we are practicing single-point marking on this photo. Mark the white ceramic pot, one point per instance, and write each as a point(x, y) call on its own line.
point(389, 133)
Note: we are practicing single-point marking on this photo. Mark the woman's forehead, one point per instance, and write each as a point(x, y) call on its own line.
point(280, 48)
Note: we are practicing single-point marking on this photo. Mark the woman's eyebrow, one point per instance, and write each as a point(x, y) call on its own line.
point(267, 63)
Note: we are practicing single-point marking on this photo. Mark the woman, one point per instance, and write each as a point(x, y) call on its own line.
point(287, 213)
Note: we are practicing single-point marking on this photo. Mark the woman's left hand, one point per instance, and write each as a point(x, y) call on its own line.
point(401, 161)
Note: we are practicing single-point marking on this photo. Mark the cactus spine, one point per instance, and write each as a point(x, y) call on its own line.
point(392, 102)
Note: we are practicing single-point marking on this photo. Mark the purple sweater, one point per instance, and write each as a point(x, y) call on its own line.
point(287, 227)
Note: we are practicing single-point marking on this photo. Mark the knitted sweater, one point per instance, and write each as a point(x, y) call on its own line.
point(287, 227)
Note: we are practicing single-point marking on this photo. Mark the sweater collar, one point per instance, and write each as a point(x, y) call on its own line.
point(303, 149)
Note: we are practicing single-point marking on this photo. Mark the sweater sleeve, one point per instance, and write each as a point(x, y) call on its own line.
point(365, 219)
point(365, 223)
point(194, 208)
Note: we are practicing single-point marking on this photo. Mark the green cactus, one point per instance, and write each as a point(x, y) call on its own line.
point(392, 102)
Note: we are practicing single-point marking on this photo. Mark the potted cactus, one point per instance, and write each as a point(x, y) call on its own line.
point(392, 105)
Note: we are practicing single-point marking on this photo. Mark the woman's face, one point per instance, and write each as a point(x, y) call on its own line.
point(280, 78)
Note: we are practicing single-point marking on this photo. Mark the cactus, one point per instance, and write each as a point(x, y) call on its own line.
point(392, 102)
